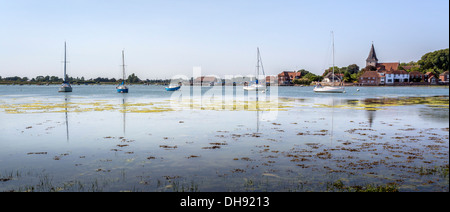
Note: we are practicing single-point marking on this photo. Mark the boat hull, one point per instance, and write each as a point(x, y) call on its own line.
point(328, 89)
point(173, 89)
point(255, 88)
point(122, 89)
point(65, 88)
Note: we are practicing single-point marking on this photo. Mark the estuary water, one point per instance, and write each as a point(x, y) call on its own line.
point(223, 139)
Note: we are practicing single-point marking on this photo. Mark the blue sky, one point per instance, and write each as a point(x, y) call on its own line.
point(163, 38)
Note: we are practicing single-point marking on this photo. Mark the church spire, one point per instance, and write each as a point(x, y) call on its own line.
point(372, 60)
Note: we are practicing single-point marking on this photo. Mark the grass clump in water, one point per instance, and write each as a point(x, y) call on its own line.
point(339, 186)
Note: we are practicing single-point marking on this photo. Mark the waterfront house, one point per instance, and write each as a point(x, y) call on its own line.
point(372, 78)
point(272, 80)
point(444, 77)
point(430, 78)
point(416, 76)
point(206, 81)
point(398, 76)
point(392, 73)
point(329, 77)
point(286, 77)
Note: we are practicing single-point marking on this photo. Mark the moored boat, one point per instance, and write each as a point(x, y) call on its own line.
point(65, 87)
point(330, 89)
point(173, 87)
point(256, 86)
point(122, 88)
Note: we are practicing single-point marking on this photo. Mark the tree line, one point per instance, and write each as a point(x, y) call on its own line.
point(76, 80)
point(436, 62)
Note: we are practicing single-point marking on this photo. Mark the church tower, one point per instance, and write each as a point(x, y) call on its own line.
point(372, 60)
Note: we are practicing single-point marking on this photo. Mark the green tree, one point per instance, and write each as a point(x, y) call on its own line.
point(353, 69)
point(437, 60)
point(336, 70)
point(302, 81)
point(133, 78)
point(347, 77)
point(370, 68)
point(312, 77)
point(55, 79)
point(303, 72)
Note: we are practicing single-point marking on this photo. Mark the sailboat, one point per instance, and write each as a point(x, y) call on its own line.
point(256, 86)
point(330, 89)
point(121, 88)
point(65, 87)
point(173, 87)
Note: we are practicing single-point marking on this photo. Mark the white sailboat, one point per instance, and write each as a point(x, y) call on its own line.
point(330, 89)
point(257, 86)
point(65, 87)
point(121, 88)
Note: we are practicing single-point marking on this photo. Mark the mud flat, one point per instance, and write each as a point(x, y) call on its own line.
point(140, 143)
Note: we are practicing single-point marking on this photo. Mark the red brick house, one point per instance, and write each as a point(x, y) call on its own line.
point(430, 78)
point(372, 78)
point(444, 77)
point(415, 76)
point(205, 80)
point(286, 77)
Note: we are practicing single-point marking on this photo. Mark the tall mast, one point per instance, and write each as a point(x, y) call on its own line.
point(65, 62)
point(123, 65)
point(260, 61)
point(257, 65)
point(332, 34)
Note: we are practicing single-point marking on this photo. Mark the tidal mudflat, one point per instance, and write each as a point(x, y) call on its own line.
point(98, 140)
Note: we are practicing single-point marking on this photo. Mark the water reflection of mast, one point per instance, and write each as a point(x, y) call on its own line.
point(332, 120)
point(257, 115)
point(124, 112)
point(67, 119)
point(257, 112)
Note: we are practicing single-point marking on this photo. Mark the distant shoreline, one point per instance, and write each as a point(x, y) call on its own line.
point(163, 84)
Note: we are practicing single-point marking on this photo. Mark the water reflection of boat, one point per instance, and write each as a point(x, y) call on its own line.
point(124, 112)
point(65, 87)
point(122, 88)
point(256, 86)
point(66, 102)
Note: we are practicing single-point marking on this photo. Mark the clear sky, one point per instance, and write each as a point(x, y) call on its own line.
point(163, 38)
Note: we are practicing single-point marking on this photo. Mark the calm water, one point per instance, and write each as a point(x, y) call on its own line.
point(222, 139)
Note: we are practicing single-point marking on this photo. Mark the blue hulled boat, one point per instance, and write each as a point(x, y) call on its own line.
point(122, 88)
point(173, 88)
